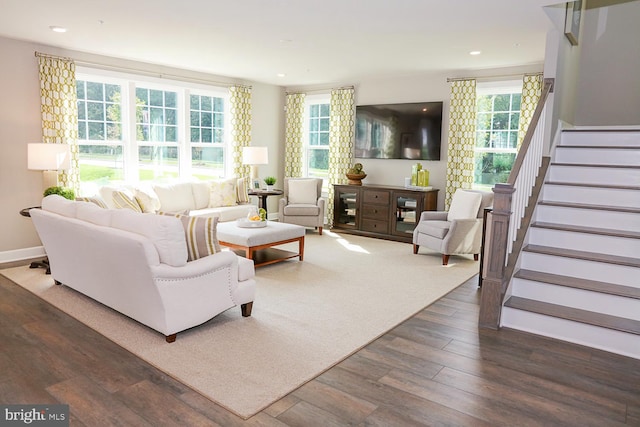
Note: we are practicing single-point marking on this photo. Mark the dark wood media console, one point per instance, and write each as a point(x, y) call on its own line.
point(380, 211)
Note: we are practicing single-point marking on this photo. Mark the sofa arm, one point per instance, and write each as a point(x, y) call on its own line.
point(433, 216)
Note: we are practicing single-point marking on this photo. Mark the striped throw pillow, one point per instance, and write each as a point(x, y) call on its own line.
point(242, 190)
point(201, 234)
point(122, 200)
point(93, 200)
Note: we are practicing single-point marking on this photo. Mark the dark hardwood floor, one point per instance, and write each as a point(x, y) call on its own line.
point(436, 368)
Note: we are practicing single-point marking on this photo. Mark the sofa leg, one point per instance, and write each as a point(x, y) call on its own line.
point(171, 338)
point(415, 248)
point(445, 259)
point(246, 309)
point(320, 231)
point(475, 257)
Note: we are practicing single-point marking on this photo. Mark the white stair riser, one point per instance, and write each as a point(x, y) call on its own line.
point(601, 138)
point(594, 175)
point(598, 156)
point(577, 298)
point(567, 330)
point(588, 217)
point(596, 243)
point(591, 195)
point(581, 269)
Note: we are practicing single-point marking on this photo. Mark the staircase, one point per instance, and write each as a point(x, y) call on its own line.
point(578, 277)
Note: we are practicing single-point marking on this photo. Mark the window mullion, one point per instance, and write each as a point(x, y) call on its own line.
point(129, 134)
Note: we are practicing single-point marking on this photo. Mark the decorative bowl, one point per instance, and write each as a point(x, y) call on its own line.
point(355, 178)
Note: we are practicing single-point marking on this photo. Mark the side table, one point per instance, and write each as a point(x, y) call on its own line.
point(36, 264)
point(262, 196)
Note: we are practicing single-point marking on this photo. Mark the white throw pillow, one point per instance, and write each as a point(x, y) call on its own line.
point(201, 193)
point(303, 191)
point(223, 193)
point(175, 197)
point(464, 205)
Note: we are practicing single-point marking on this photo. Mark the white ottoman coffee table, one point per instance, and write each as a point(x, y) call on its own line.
point(257, 243)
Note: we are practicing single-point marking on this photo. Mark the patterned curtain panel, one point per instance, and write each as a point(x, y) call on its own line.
point(59, 109)
point(531, 91)
point(240, 127)
point(293, 135)
point(462, 137)
point(341, 138)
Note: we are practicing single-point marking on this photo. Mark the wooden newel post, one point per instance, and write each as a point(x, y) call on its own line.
point(495, 258)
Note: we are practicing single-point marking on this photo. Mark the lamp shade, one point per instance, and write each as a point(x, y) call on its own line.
point(255, 156)
point(41, 156)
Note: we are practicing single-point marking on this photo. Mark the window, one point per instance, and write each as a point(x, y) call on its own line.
point(316, 152)
point(138, 130)
point(498, 119)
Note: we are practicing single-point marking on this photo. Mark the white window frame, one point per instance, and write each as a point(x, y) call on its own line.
point(309, 101)
point(128, 83)
point(495, 88)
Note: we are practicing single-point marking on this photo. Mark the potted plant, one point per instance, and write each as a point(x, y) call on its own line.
point(67, 193)
point(270, 181)
point(356, 174)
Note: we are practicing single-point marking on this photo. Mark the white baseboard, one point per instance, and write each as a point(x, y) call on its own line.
point(20, 254)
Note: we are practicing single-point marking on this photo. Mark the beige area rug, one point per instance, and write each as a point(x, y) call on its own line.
point(307, 316)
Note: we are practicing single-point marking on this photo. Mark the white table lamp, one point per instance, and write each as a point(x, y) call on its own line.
point(254, 156)
point(49, 158)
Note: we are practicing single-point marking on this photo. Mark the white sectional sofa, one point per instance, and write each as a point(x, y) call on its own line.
point(136, 263)
point(226, 199)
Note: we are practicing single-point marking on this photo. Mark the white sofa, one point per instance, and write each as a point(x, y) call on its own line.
point(226, 199)
point(136, 263)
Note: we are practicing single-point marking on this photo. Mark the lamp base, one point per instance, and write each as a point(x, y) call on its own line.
point(49, 179)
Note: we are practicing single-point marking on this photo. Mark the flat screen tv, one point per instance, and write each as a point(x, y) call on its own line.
point(399, 131)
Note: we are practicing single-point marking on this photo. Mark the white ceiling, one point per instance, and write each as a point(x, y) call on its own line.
point(312, 42)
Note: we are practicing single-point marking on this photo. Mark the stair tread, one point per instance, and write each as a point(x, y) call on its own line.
point(578, 283)
point(589, 230)
point(590, 206)
point(595, 165)
point(575, 314)
point(589, 256)
point(588, 185)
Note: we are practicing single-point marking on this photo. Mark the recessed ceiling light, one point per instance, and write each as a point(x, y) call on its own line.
point(57, 29)
point(475, 52)
point(281, 75)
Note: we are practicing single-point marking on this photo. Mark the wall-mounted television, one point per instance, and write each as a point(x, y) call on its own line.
point(399, 131)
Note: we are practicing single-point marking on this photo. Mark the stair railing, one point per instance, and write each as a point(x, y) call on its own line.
point(505, 229)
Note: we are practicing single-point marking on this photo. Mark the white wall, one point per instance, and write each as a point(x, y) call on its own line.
point(20, 123)
point(608, 88)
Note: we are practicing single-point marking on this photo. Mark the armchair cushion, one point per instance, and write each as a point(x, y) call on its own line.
point(303, 191)
point(302, 210)
point(464, 205)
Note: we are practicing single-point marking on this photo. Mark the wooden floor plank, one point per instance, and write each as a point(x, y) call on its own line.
point(437, 368)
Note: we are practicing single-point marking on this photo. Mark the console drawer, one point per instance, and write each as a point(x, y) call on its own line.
point(374, 226)
point(379, 212)
point(376, 197)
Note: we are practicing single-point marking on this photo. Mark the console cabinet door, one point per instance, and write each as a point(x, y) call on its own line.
point(407, 207)
point(346, 207)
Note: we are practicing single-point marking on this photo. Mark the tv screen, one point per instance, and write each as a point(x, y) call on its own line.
point(399, 131)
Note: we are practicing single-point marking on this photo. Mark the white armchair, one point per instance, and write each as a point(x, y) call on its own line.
point(302, 203)
point(458, 231)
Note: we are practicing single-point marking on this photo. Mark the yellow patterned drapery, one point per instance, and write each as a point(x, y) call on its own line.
point(240, 126)
point(531, 91)
point(341, 138)
point(462, 137)
point(293, 135)
point(59, 108)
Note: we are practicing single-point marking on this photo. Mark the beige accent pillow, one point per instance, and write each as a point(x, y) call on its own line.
point(223, 193)
point(303, 191)
point(201, 235)
point(148, 203)
point(242, 190)
point(464, 205)
point(121, 200)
